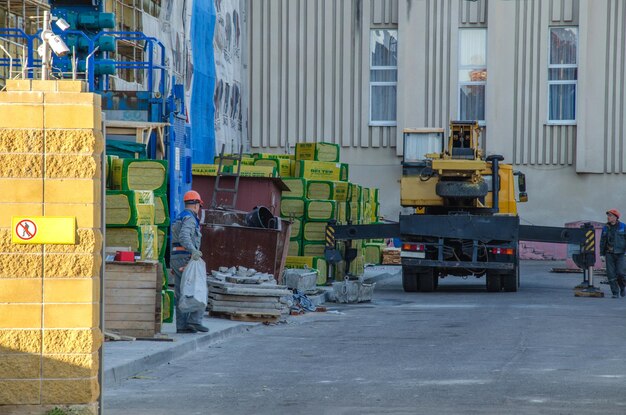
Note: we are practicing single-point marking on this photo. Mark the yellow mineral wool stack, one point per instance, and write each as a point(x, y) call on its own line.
point(50, 165)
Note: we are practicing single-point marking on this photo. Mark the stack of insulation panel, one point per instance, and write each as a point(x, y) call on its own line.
point(137, 212)
point(320, 192)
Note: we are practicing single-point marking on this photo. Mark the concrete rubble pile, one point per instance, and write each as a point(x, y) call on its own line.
point(244, 294)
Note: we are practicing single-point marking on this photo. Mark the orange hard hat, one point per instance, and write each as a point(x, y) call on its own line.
point(614, 212)
point(192, 197)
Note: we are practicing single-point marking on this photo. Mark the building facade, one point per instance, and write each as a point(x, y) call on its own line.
point(545, 78)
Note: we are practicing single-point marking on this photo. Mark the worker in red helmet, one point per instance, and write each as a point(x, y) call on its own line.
point(612, 248)
point(186, 238)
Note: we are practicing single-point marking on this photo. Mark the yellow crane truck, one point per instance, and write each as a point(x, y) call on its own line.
point(464, 220)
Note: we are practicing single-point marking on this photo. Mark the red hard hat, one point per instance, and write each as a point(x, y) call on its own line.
point(192, 197)
point(614, 212)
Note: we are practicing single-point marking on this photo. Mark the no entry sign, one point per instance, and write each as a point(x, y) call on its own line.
point(44, 230)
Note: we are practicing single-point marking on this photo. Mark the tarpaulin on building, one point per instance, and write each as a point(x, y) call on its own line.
point(202, 109)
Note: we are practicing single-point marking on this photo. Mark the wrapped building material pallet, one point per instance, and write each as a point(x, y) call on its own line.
point(135, 174)
point(167, 298)
point(273, 156)
point(205, 169)
point(162, 232)
point(296, 228)
point(328, 190)
point(297, 187)
point(292, 207)
point(391, 256)
point(373, 253)
point(247, 301)
point(282, 166)
point(320, 210)
point(317, 151)
point(142, 239)
point(129, 208)
point(321, 170)
point(295, 247)
point(161, 210)
point(314, 231)
point(313, 248)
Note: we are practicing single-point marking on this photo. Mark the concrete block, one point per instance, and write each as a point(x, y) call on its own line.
point(21, 116)
point(78, 141)
point(20, 166)
point(87, 215)
point(20, 341)
point(71, 191)
point(22, 366)
point(72, 341)
point(6, 247)
point(19, 392)
point(83, 290)
point(21, 190)
point(18, 84)
point(20, 290)
point(21, 141)
point(73, 98)
point(71, 86)
point(44, 86)
point(19, 97)
point(89, 241)
point(20, 316)
point(70, 316)
point(72, 265)
point(70, 391)
point(74, 366)
point(71, 166)
point(71, 116)
point(21, 266)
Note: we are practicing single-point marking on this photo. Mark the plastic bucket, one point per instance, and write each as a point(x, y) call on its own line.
point(260, 217)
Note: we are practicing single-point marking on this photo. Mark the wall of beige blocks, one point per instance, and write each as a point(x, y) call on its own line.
point(50, 165)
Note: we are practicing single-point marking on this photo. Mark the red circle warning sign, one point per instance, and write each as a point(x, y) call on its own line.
point(26, 229)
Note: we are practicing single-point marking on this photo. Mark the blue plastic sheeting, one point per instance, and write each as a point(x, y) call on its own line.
point(202, 111)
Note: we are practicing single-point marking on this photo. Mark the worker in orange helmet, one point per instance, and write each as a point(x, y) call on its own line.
point(612, 248)
point(186, 238)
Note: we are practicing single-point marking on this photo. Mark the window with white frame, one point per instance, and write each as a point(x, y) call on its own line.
point(383, 76)
point(472, 74)
point(562, 74)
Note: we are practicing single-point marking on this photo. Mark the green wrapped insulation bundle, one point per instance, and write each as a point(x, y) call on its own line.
point(142, 239)
point(292, 207)
point(129, 208)
point(317, 151)
point(320, 210)
point(296, 185)
point(328, 189)
point(139, 174)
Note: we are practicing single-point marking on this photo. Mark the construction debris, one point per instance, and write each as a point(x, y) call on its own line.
point(246, 295)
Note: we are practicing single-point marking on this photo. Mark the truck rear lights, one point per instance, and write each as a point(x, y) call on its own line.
point(503, 251)
point(413, 247)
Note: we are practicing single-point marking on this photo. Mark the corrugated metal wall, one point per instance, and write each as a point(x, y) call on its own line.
point(534, 141)
point(615, 97)
point(309, 71)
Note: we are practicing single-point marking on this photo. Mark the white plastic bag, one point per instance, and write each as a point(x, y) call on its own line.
point(193, 291)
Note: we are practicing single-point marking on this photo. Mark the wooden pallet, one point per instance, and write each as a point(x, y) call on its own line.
point(246, 317)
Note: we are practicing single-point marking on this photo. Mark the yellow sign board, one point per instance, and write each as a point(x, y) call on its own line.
point(44, 230)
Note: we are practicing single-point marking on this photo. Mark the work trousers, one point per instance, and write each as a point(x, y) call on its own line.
point(183, 319)
point(615, 271)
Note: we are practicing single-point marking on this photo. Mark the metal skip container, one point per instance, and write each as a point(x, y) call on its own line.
point(227, 241)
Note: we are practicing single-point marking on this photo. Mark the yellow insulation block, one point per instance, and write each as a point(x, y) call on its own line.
point(70, 391)
point(21, 265)
point(19, 392)
point(71, 340)
point(329, 190)
point(295, 246)
point(313, 249)
point(21, 165)
point(59, 166)
point(20, 366)
point(73, 366)
point(292, 207)
point(204, 169)
point(21, 190)
point(72, 265)
point(20, 341)
point(21, 141)
point(282, 166)
point(317, 151)
point(314, 231)
point(83, 141)
point(296, 185)
point(318, 170)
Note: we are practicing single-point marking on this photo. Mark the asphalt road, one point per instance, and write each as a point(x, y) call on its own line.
point(459, 350)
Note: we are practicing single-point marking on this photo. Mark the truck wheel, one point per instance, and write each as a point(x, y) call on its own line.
point(510, 280)
point(494, 282)
point(409, 280)
point(426, 280)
